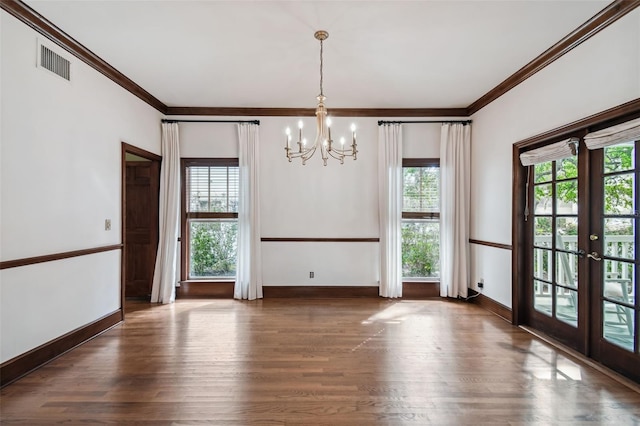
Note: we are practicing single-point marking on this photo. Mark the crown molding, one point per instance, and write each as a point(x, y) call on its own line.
point(45, 27)
point(607, 16)
point(335, 112)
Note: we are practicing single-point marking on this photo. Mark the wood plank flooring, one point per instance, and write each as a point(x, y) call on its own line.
point(366, 361)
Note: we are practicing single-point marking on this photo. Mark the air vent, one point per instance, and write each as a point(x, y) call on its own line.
point(55, 63)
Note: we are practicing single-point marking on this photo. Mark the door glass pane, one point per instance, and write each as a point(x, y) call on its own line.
point(618, 194)
point(567, 269)
point(567, 306)
point(542, 264)
point(567, 197)
point(619, 238)
point(619, 157)
point(542, 199)
point(567, 168)
point(542, 297)
point(618, 324)
point(618, 280)
point(542, 232)
point(567, 233)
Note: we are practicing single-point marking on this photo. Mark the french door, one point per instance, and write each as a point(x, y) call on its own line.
point(582, 225)
point(614, 233)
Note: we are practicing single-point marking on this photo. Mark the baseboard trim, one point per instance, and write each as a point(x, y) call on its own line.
point(20, 366)
point(320, 292)
point(491, 305)
point(224, 290)
point(205, 290)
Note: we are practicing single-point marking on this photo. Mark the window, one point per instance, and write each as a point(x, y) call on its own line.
point(421, 219)
point(210, 218)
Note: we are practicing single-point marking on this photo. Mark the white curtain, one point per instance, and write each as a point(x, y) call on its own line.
point(454, 210)
point(249, 263)
point(390, 208)
point(165, 274)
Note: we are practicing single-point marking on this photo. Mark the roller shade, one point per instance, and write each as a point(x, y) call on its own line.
point(555, 151)
point(625, 132)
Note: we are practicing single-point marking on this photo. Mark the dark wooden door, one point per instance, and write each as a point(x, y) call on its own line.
point(141, 226)
point(614, 258)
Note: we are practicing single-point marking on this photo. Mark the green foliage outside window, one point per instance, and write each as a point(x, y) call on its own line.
point(213, 249)
point(420, 249)
point(618, 197)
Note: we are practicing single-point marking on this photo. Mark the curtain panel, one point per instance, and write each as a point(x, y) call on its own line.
point(249, 259)
point(390, 209)
point(455, 183)
point(166, 270)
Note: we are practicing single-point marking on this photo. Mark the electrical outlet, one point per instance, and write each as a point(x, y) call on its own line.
point(107, 224)
point(481, 283)
point(311, 274)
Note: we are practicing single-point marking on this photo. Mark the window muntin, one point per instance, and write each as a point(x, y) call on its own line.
point(211, 218)
point(421, 219)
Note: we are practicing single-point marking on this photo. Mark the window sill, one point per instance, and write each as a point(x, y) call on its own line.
point(421, 280)
point(210, 281)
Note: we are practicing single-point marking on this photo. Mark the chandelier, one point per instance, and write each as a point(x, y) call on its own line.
point(323, 133)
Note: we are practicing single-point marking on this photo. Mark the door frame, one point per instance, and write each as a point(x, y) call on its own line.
point(129, 149)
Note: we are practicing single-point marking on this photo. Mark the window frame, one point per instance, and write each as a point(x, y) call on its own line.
point(186, 216)
point(420, 216)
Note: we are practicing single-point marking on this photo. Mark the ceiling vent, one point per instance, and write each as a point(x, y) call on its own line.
point(53, 62)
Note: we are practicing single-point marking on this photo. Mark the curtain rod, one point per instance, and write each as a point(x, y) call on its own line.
point(381, 122)
point(211, 121)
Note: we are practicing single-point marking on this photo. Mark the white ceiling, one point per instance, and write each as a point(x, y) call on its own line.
point(379, 54)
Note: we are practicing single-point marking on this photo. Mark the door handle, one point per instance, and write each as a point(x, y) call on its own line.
point(595, 256)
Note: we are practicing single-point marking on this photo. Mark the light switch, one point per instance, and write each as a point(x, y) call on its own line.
point(107, 224)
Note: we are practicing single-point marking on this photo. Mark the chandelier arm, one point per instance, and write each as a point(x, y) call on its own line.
point(345, 152)
point(335, 154)
point(308, 153)
point(302, 153)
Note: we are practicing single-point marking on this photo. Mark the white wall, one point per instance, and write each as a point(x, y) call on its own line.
point(60, 179)
point(599, 74)
point(336, 201)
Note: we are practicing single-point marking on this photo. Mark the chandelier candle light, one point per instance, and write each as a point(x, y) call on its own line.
point(323, 133)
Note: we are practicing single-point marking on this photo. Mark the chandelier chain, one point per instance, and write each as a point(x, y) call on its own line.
point(321, 76)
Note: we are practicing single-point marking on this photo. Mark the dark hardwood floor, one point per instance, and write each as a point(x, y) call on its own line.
point(367, 361)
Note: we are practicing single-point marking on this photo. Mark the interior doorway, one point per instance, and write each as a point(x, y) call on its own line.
point(140, 201)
